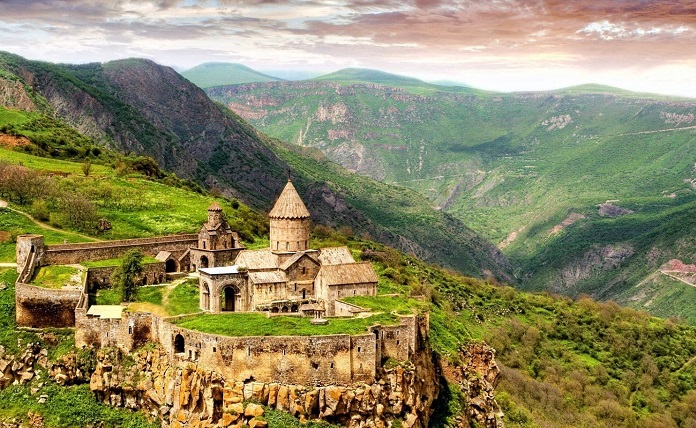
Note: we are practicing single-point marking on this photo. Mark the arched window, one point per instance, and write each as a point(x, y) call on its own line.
point(204, 262)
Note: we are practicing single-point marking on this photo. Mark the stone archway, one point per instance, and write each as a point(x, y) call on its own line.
point(229, 299)
point(179, 345)
point(204, 262)
point(170, 266)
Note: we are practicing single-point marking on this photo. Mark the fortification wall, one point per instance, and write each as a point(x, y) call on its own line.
point(312, 360)
point(90, 251)
point(43, 307)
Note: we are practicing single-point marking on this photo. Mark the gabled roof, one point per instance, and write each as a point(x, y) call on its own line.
point(289, 204)
point(348, 273)
point(267, 277)
point(257, 259)
point(335, 256)
point(292, 260)
point(163, 256)
point(214, 207)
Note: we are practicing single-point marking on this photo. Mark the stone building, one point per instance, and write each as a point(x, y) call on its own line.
point(288, 274)
point(217, 244)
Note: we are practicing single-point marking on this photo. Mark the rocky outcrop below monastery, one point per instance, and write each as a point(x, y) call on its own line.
point(193, 397)
point(188, 396)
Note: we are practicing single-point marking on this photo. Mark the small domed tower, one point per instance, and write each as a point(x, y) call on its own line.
point(214, 214)
point(289, 222)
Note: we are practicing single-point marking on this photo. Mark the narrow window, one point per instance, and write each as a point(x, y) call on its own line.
point(204, 245)
point(130, 329)
point(295, 286)
point(283, 351)
point(287, 246)
point(359, 349)
point(354, 292)
point(248, 351)
point(397, 343)
point(214, 349)
point(397, 332)
point(298, 245)
point(331, 365)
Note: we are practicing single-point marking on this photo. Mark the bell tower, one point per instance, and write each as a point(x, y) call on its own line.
point(289, 222)
point(214, 214)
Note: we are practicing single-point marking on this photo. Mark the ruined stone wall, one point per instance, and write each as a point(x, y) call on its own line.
point(44, 307)
point(90, 251)
point(100, 277)
point(28, 245)
point(337, 292)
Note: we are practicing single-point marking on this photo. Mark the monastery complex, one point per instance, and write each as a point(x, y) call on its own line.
point(288, 278)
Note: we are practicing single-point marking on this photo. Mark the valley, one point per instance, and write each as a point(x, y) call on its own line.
point(529, 171)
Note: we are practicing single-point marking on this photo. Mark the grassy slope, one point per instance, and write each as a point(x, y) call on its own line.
point(218, 74)
point(492, 162)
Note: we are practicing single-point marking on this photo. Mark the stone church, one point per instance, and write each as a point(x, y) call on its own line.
point(288, 276)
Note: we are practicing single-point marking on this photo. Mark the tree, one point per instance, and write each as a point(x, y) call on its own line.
point(125, 275)
point(79, 211)
point(86, 167)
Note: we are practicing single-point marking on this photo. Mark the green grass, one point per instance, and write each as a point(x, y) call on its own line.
point(183, 299)
point(115, 262)
point(400, 305)
point(57, 277)
point(254, 324)
point(135, 206)
point(109, 296)
point(67, 406)
point(17, 224)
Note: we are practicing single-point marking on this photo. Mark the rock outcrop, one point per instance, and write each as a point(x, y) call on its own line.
point(476, 377)
point(193, 397)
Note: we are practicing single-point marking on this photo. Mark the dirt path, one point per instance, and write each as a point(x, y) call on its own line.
point(656, 131)
point(3, 204)
point(677, 278)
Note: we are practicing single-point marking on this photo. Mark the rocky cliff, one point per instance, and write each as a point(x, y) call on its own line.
point(183, 397)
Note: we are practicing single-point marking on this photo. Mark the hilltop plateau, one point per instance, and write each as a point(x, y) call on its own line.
point(586, 189)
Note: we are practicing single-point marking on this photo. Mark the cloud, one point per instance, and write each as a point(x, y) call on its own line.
point(589, 36)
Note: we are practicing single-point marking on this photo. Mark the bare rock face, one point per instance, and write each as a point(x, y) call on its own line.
point(477, 377)
point(193, 397)
point(13, 95)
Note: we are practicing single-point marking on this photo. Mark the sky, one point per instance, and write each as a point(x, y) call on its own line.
point(504, 45)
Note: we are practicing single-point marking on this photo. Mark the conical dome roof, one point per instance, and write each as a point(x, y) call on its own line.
point(214, 207)
point(289, 204)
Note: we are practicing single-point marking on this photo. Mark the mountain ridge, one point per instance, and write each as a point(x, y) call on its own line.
point(140, 107)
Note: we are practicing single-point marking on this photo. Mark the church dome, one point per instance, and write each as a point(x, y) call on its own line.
point(289, 205)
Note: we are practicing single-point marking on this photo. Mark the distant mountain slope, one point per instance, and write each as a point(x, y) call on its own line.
point(223, 73)
point(140, 107)
point(527, 170)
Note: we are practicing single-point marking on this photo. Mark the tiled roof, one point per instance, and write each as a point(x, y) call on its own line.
point(257, 259)
point(267, 277)
point(214, 207)
point(348, 273)
point(289, 204)
point(335, 256)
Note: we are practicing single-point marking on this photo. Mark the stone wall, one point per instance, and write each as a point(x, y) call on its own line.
point(336, 292)
point(29, 246)
point(90, 251)
point(311, 360)
point(100, 277)
point(44, 307)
